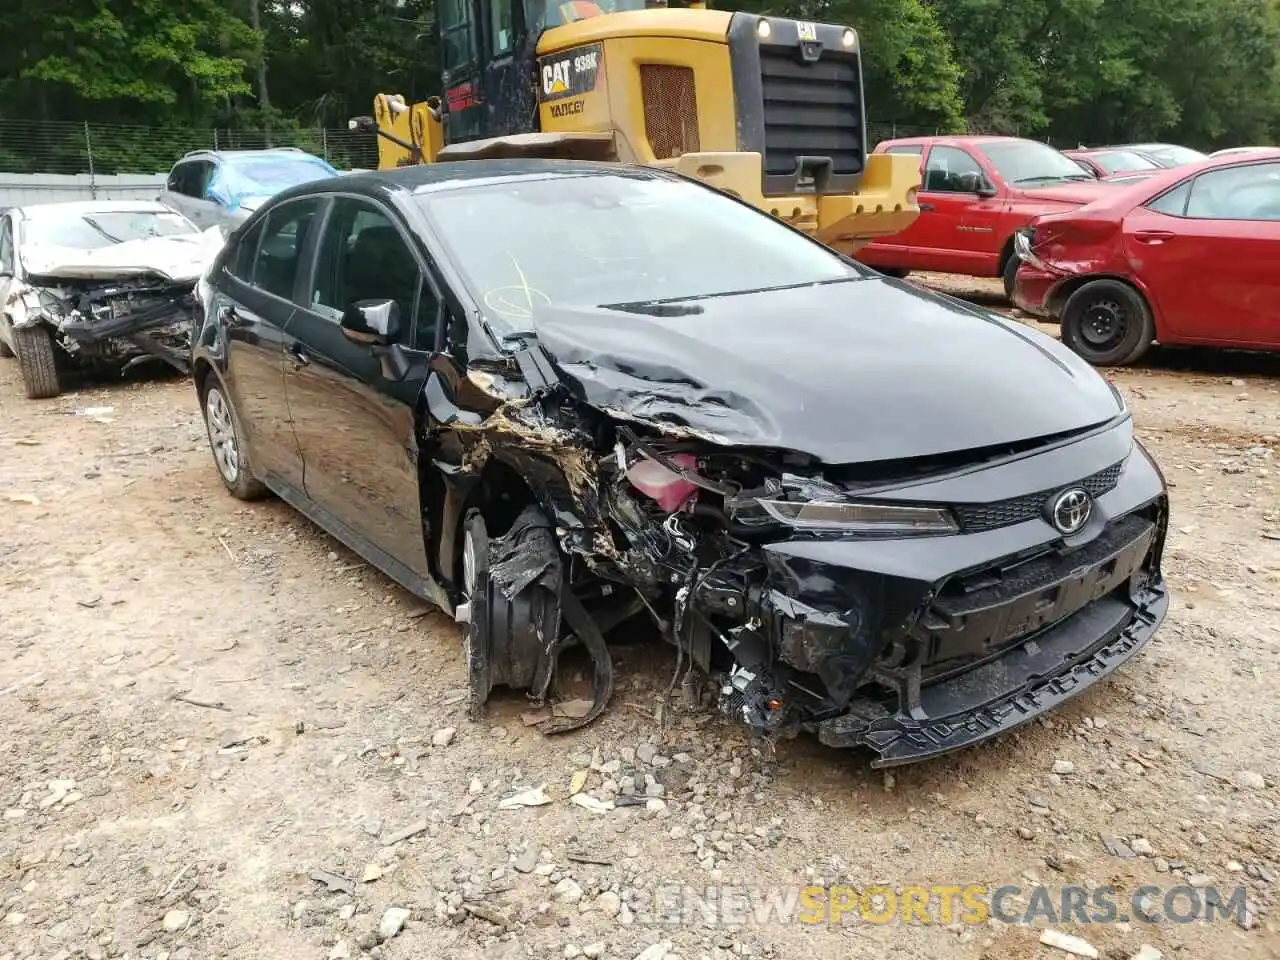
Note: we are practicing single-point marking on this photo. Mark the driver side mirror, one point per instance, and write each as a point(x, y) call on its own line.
point(986, 188)
point(374, 323)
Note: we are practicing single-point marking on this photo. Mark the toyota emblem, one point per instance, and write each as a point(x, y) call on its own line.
point(1070, 510)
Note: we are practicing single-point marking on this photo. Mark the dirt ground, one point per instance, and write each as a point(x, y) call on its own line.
point(323, 729)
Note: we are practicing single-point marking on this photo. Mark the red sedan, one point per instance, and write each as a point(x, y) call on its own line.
point(1188, 256)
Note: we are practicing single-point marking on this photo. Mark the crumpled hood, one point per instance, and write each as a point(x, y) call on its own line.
point(1073, 193)
point(177, 258)
point(863, 370)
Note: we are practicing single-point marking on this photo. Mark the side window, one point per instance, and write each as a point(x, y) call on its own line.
point(457, 33)
point(173, 184)
point(1246, 192)
point(1172, 202)
point(191, 177)
point(6, 245)
point(283, 240)
point(363, 256)
point(502, 33)
point(950, 170)
point(240, 263)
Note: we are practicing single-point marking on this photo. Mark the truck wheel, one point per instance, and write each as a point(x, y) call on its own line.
point(1108, 323)
point(34, 348)
point(1010, 274)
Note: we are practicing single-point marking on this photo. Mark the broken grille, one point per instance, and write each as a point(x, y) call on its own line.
point(670, 110)
point(977, 517)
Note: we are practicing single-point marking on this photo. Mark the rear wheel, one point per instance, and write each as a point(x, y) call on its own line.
point(34, 348)
point(1107, 323)
point(227, 444)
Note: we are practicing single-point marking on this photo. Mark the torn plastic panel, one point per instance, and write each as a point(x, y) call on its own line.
point(518, 615)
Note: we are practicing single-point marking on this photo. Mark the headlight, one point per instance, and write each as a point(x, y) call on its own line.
point(764, 30)
point(859, 517)
point(848, 38)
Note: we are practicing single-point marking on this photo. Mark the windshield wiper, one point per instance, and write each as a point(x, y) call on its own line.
point(736, 293)
point(97, 226)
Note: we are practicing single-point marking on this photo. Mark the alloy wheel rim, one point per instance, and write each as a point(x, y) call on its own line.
point(222, 436)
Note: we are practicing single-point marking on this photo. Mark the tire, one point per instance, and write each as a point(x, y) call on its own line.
point(1010, 274)
point(473, 554)
point(1108, 323)
point(473, 564)
point(226, 443)
point(34, 348)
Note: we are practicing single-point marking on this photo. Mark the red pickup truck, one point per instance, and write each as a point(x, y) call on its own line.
point(976, 193)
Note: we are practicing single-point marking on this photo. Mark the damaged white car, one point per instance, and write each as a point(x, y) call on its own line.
point(104, 282)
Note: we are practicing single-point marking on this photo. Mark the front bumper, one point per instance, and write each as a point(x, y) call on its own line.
point(1027, 681)
point(915, 648)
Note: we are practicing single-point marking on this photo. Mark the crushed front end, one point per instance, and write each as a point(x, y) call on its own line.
point(913, 616)
point(114, 320)
point(912, 607)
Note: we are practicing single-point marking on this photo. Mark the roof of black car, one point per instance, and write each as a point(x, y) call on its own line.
point(432, 176)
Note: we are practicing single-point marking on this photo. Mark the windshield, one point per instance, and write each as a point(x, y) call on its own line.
point(555, 13)
point(600, 239)
point(91, 230)
point(264, 176)
point(1118, 161)
point(1171, 155)
point(1023, 162)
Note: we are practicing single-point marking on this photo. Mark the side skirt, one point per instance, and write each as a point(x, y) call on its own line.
point(426, 589)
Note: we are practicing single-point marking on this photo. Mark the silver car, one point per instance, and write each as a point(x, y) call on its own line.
point(220, 188)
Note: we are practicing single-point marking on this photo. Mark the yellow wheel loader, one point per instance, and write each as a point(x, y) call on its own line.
point(768, 109)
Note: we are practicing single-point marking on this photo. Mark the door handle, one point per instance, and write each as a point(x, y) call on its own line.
point(926, 207)
point(299, 356)
point(1153, 237)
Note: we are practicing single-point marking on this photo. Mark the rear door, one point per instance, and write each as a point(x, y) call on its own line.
point(460, 61)
point(260, 287)
point(1208, 251)
point(354, 415)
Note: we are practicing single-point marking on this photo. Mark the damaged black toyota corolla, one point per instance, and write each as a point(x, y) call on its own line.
point(553, 396)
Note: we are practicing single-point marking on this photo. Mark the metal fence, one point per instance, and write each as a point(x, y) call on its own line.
point(92, 149)
point(61, 147)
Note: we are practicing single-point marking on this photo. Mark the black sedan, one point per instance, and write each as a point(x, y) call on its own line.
point(554, 396)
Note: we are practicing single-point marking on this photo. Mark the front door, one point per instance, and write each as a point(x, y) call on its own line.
point(353, 416)
point(960, 226)
point(255, 301)
point(1210, 254)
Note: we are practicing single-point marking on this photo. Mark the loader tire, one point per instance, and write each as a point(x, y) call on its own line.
point(34, 348)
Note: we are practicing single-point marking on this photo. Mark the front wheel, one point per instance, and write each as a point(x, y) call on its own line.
point(227, 444)
point(34, 348)
point(1108, 323)
point(1010, 275)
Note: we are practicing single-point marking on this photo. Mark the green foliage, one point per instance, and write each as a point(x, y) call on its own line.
point(1202, 72)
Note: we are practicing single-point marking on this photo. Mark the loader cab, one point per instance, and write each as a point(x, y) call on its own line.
point(488, 55)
